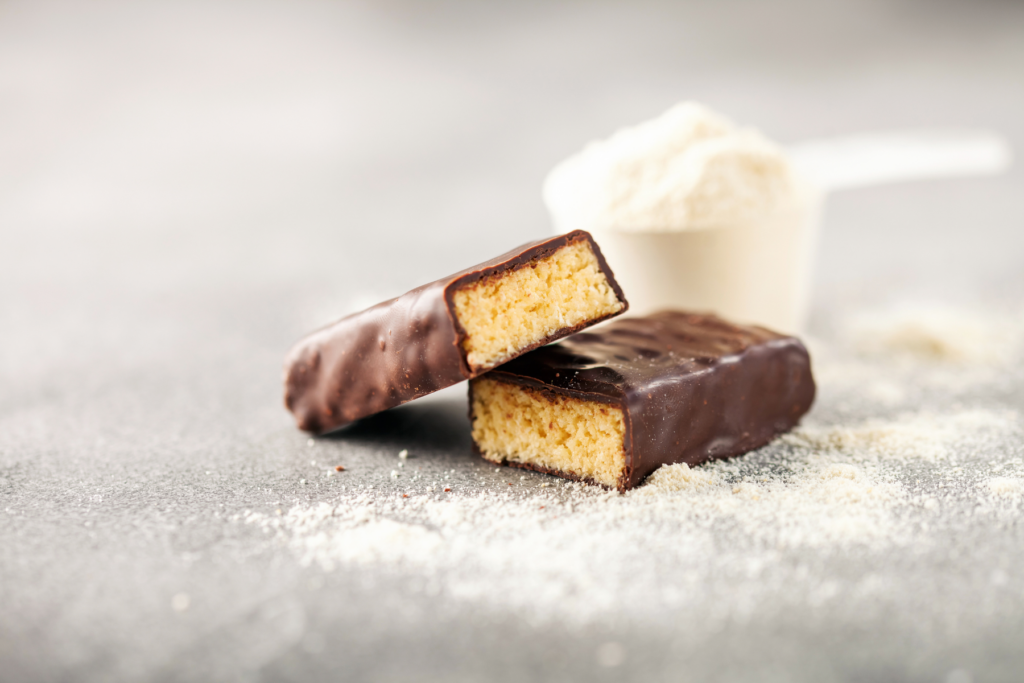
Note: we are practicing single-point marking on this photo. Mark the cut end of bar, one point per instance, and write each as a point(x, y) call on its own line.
point(506, 313)
point(557, 434)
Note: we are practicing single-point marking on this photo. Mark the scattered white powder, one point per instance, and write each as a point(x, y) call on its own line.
point(1005, 499)
point(888, 359)
point(574, 552)
point(909, 437)
point(729, 539)
point(938, 333)
point(1009, 487)
point(687, 169)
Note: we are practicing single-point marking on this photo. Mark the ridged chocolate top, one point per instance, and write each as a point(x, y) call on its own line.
point(401, 349)
point(692, 387)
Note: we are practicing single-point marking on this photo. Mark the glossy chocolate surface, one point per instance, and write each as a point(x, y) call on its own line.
point(692, 387)
point(401, 349)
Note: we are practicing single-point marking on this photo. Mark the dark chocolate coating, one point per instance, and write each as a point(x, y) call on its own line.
point(692, 387)
point(401, 349)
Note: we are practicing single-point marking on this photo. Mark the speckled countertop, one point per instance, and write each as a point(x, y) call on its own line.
point(185, 190)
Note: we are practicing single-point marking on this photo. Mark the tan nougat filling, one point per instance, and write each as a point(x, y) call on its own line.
point(504, 314)
point(570, 435)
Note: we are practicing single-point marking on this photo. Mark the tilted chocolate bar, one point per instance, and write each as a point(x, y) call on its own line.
point(612, 405)
point(450, 330)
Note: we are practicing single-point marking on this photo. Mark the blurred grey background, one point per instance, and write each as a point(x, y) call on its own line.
point(187, 187)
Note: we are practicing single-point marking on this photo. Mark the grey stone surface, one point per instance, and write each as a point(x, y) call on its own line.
point(187, 188)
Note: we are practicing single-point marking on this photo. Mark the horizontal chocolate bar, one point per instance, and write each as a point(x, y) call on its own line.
point(449, 330)
point(610, 406)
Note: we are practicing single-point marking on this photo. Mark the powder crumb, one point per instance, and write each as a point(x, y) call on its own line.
point(920, 436)
point(855, 488)
point(1008, 487)
point(679, 478)
point(885, 392)
point(937, 333)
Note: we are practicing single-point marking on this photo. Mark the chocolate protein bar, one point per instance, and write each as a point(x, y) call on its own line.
point(449, 330)
point(612, 405)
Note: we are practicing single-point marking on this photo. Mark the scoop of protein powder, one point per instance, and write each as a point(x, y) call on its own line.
point(693, 212)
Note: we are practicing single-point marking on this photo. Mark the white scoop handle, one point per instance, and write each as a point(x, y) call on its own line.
point(890, 157)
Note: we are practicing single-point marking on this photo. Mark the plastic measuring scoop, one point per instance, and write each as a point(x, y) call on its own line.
point(760, 271)
point(891, 157)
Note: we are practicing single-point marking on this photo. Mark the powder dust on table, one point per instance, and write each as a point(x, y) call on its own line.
point(745, 530)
